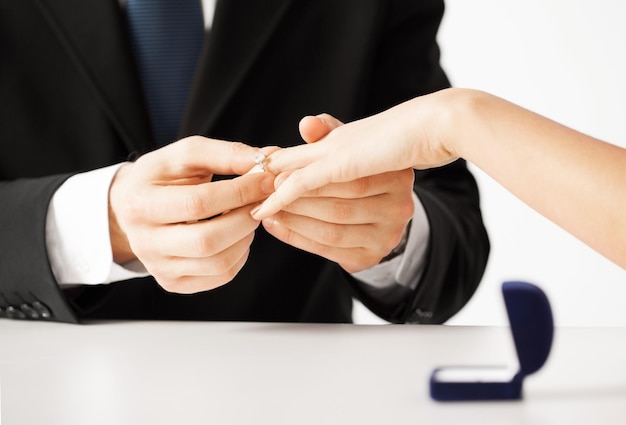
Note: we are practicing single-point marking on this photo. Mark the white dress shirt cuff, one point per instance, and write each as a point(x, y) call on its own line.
point(77, 232)
point(407, 268)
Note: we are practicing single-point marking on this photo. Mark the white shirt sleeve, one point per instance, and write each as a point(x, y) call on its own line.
point(405, 269)
point(77, 232)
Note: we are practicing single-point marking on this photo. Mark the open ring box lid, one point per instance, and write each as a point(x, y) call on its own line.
point(532, 326)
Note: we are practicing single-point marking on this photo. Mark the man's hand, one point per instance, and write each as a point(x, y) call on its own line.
point(354, 224)
point(191, 234)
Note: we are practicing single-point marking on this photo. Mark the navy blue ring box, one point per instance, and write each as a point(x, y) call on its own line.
point(532, 326)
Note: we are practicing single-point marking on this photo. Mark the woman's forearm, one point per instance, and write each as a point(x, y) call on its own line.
point(576, 181)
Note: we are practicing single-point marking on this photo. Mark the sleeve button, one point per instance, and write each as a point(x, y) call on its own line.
point(14, 313)
point(30, 312)
point(41, 308)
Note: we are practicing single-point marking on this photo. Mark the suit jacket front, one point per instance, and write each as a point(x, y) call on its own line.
point(70, 101)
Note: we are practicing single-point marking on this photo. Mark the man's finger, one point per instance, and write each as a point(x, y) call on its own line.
point(314, 128)
point(204, 238)
point(198, 155)
point(178, 204)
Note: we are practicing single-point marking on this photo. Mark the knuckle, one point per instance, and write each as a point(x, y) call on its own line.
point(324, 250)
point(204, 246)
point(360, 186)
point(241, 194)
point(194, 206)
point(332, 236)
point(231, 271)
point(172, 285)
point(159, 270)
point(220, 265)
point(237, 148)
point(296, 179)
point(187, 147)
point(131, 208)
point(229, 275)
point(351, 265)
point(342, 210)
point(142, 245)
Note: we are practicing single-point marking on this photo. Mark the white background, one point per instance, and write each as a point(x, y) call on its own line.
point(565, 60)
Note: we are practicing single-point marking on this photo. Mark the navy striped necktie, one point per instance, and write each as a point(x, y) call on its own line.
point(166, 37)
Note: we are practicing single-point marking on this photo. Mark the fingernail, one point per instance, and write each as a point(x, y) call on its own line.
point(279, 180)
point(255, 211)
point(267, 184)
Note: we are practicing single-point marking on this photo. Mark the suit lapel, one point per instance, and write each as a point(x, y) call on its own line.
point(241, 29)
point(95, 36)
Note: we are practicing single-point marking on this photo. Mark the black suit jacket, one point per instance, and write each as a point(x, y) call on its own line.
point(70, 101)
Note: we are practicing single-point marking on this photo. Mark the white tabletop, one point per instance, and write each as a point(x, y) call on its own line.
point(253, 373)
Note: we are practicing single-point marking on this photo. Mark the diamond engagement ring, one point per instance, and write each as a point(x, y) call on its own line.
point(259, 160)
